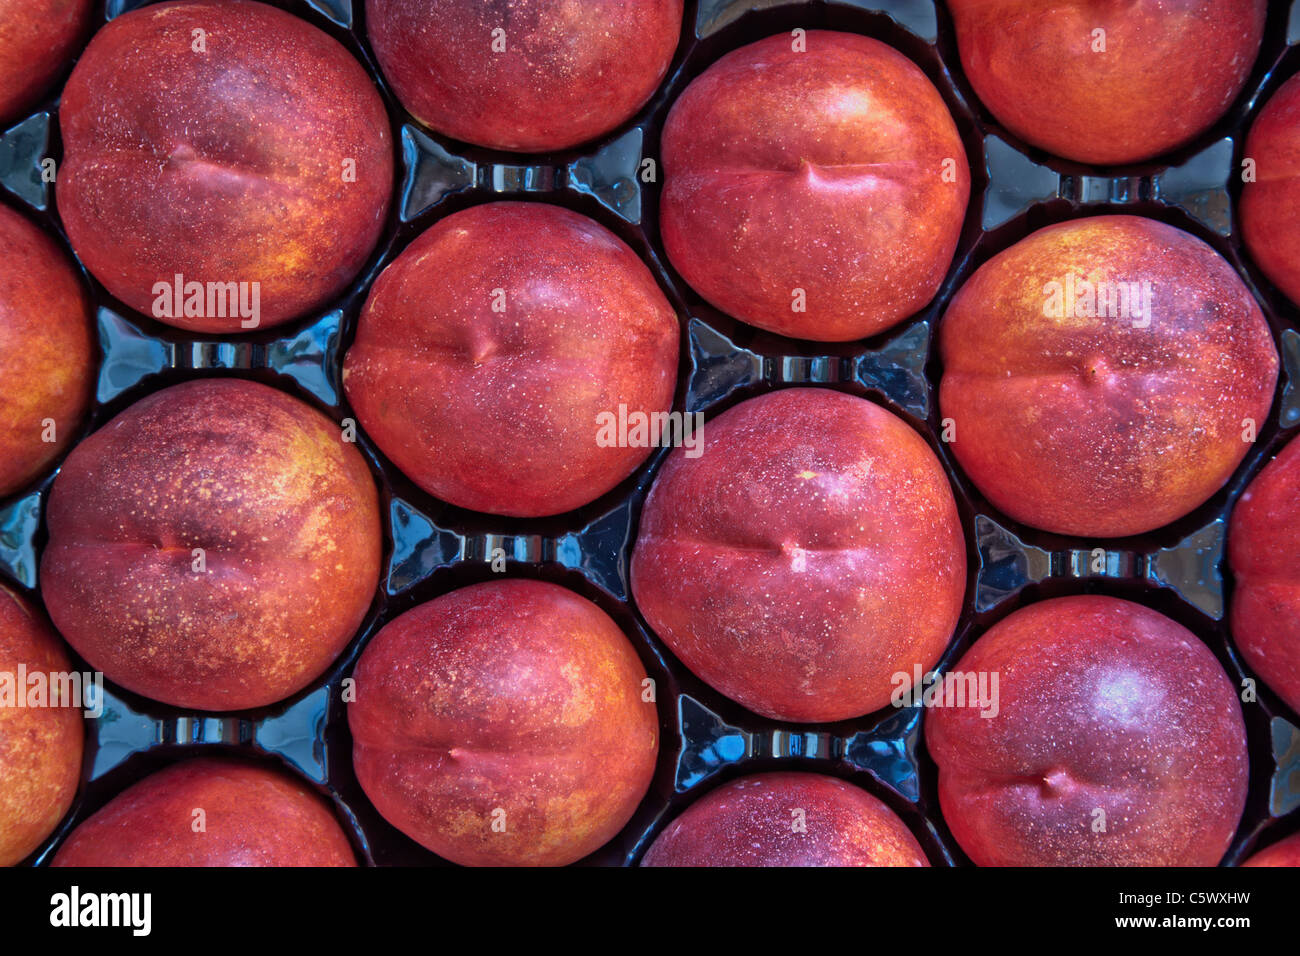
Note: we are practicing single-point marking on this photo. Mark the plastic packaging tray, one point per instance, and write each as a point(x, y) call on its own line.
point(432, 548)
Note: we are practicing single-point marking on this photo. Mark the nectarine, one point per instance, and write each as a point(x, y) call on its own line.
point(525, 75)
point(507, 723)
point(1104, 376)
point(38, 38)
point(1283, 853)
point(214, 546)
point(227, 166)
point(817, 193)
point(40, 746)
point(786, 819)
point(211, 812)
point(1270, 202)
point(46, 351)
point(1104, 82)
point(489, 350)
point(1118, 741)
point(812, 552)
point(1264, 551)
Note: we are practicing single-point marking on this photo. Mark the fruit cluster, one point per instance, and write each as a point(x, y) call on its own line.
point(234, 183)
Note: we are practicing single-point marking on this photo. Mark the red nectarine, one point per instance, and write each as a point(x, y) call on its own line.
point(526, 75)
point(816, 193)
point(214, 546)
point(811, 552)
point(1104, 82)
point(211, 812)
point(40, 746)
point(1118, 741)
point(1264, 551)
point(46, 351)
point(786, 819)
point(228, 150)
point(1283, 853)
point(1270, 203)
point(489, 350)
point(507, 723)
point(1104, 376)
point(38, 38)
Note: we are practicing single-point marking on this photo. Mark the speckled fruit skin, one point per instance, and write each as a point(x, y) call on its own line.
point(287, 515)
point(38, 38)
point(811, 552)
point(46, 351)
point(1102, 704)
point(751, 822)
point(497, 411)
point(1170, 69)
point(1270, 206)
point(40, 747)
point(1264, 552)
point(1283, 853)
point(569, 72)
point(515, 696)
point(252, 817)
point(822, 171)
point(224, 166)
point(1089, 425)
